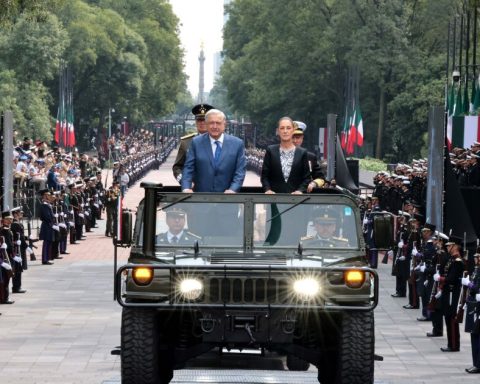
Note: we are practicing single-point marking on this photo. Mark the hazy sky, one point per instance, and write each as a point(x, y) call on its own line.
point(200, 21)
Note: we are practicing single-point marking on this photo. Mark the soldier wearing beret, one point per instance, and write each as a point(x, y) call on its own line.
point(177, 233)
point(199, 112)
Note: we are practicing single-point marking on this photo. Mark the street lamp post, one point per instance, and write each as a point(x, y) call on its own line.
point(110, 110)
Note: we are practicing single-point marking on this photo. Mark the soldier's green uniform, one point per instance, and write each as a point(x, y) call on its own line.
point(199, 112)
point(182, 155)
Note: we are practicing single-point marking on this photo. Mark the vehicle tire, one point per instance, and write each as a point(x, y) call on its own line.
point(353, 362)
point(145, 356)
point(294, 363)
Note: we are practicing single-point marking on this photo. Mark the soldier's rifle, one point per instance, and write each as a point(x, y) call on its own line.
point(437, 287)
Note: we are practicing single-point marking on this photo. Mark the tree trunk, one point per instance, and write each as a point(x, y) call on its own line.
point(381, 121)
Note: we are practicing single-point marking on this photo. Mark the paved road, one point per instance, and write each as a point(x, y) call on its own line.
point(63, 329)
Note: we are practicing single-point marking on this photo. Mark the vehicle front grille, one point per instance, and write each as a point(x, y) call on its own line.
point(239, 290)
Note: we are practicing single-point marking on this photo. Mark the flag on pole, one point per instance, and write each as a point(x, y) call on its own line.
point(57, 127)
point(119, 217)
point(463, 131)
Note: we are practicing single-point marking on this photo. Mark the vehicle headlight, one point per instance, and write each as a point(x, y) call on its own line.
point(191, 289)
point(354, 278)
point(306, 287)
point(142, 276)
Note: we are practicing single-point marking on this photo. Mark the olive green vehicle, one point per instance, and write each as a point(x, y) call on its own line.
point(244, 272)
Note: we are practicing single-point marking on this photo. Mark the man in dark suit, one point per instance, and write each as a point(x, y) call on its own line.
point(318, 179)
point(215, 161)
point(199, 112)
point(177, 233)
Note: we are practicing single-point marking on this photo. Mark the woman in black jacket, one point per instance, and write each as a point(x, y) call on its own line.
point(285, 167)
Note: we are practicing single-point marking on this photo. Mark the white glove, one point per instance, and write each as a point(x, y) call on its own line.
point(55, 215)
point(4, 246)
point(422, 268)
point(400, 244)
point(438, 294)
point(31, 237)
point(417, 268)
point(425, 283)
point(29, 251)
point(19, 242)
point(56, 227)
point(71, 212)
point(81, 215)
point(401, 258)
point(62, 214)
point(63, 225)
point(86, 213)
point(390, 253)
point(365, 220)
point(465, 281)
point(477, 297)
point(17, 258)
point(436, 277)
point(414, 251)
point(72, 224)
point(95, 205)
point(7, 266)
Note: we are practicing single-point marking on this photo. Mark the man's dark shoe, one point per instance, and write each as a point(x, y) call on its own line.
point(32, 258)
point(397, 295)
point(47, 263)
point(473, 370)
point(8, 302)
point(423, 319)
point(58, 257)
point(434, 334)
point(18, 291)
point(408, 306)
point(64, 253)
point(448, 349)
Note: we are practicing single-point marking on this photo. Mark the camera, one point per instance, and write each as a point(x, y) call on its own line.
point(456, 76)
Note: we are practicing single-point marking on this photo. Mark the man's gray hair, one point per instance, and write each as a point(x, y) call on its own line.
point(215, 112)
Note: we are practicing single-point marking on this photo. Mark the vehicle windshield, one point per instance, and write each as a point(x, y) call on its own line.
point(210, 224)
point(312, 225)
point(274, 225)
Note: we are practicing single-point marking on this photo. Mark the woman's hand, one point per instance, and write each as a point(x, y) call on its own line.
point(269, 192)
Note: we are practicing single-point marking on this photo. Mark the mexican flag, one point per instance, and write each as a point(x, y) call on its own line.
point(355, 132)
point(58, 127)
point(462, 131)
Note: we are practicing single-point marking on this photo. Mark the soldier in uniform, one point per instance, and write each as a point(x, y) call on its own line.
point(318, 179)
point(46, 228)
point(450, 284)
point(18, 231)
point(199, 112)
point(325, 221)
point(110, 205)
point(472, 317)
point(9, 267)
point(425, 268)
point(177, 234)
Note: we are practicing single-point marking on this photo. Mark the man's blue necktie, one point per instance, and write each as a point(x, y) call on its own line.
point(218, 152)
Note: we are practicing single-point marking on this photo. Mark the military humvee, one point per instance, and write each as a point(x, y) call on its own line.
point(247, 270)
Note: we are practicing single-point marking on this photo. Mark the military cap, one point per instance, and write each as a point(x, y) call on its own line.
point(429, 227)
point(455, 240)
point(7, 215)
point(175, 211)
point(200, 110)
point(417, 216)
point(441, 236)
point(99, 173)
point(403, 213)
point(42, 192)
point(17, 209)
point(321, 215)
point(300, 127)
point(71, 185)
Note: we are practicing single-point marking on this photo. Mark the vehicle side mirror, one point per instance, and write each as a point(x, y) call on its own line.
point(124, 238)
point(383, 231)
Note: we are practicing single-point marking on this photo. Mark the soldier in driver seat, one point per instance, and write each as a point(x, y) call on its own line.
point(177, 233)
point(325, 221)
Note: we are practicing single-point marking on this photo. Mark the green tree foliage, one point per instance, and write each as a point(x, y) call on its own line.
point(30, 51)
point(123, 54)
point(286, 57)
